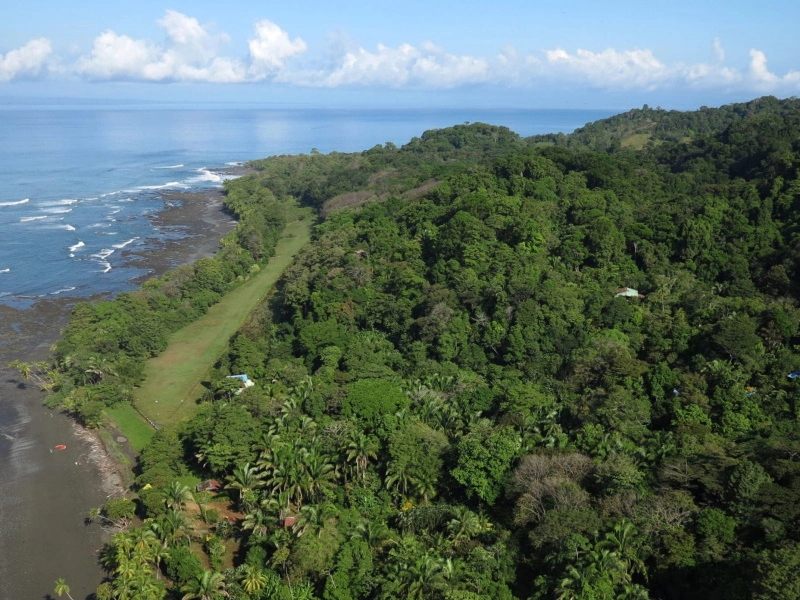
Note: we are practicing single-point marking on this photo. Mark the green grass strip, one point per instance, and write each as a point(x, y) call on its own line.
point(131, 424)
point(172, 382)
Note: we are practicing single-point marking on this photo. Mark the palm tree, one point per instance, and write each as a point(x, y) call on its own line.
point(319, 474)
point(259, 521)
point(209, 585)
point(253, 579)
point(422, 578)
point(465, 524)
point(147, 588)
point(98, 368)
point(265, 443)
point(360, 448)
point(62, 588)
point(143, 539)
point(244, 479)
point(399, 478)
point(375, 534)
point(177, 495)
point(625, 543)
point(126, 568)
point(125, 589)
point(313, 518)
point(38, 372)
point(170, 526)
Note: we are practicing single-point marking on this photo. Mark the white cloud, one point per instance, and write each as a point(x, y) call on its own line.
point(765, 80)
point(26, 60)
point(406, 65)
point(118, 56)
point(270, 49)
point(429, 66)
point(184, 30)
point(191, 53)
point(702, 75)
point(758, 69)
point(627, 69)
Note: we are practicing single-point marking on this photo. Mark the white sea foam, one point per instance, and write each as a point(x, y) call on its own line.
point(61, 291)
point(123, 244)
point(234, 164)
point(104, 253)
point(15, 203)
point(64, 202)
point(102, 258)
point(67, 227)
point(26, 219)
point(5, 270)
point(170, 167)
point(171, 184)
point(2, 294)
point(205, 175)
point(56, 211)
point(76, 247)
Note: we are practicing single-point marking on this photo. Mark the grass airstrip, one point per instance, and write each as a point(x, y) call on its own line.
point(172, 385)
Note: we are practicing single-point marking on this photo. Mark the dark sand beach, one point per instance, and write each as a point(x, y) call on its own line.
point(45, 494)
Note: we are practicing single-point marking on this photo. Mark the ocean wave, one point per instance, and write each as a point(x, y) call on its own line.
point(76, 247)
point(15, 203)
point(56, 211)
point(26, 219)
point(102, 258)
point(123, 244)
point(67, 227)
point(61, 291)
point(170, 167)
point(205, 176)
point(64, 202)
point(3, 294)
point(96, 225)
point(5, 270)
point(104, 253)
point(171, 184)
point(234, 164)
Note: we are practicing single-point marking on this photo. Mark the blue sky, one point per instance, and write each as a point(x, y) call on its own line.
point(504, 53)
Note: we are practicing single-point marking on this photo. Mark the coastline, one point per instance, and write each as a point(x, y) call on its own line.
point(47, 494)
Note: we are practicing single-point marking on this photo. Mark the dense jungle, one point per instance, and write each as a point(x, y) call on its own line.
point(560, 367)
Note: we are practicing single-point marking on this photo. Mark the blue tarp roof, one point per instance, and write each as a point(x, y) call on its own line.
point(243, 377)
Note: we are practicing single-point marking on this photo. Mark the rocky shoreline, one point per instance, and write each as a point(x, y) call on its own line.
point(40, 475)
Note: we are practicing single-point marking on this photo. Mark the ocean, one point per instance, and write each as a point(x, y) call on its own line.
point(78, 185)
point(79, 182)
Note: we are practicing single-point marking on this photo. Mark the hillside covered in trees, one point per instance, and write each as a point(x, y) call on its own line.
point(532, 370)
point(637, 127)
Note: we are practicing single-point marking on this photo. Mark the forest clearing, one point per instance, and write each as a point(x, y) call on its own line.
point(172, 381)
